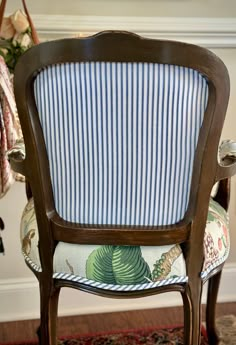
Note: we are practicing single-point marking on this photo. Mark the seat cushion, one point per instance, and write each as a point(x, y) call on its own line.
point(126, 267)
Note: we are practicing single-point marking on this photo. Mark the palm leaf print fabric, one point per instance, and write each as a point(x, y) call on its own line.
point(126, 267)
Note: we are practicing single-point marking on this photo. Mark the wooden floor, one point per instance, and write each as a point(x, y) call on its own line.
point(25, 330)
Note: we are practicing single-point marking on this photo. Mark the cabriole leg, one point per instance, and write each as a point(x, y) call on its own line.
point(47, 332)
point(212, 292)
point(192, 314)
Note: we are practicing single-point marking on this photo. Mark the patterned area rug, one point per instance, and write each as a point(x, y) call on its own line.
point(226, 326)
point(173, 336)
point(165, 336)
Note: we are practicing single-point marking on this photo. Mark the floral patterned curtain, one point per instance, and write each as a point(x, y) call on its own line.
point(17, 34)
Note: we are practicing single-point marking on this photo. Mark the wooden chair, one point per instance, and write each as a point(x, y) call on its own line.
point(121, 135)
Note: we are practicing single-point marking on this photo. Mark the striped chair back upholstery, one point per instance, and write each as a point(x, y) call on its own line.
point(121, 139)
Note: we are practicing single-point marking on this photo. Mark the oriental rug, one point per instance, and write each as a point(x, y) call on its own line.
point(151, 336)
point(226, 326)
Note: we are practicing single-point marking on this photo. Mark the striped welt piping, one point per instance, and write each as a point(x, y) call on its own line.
point(136, 287)
point(31, 263)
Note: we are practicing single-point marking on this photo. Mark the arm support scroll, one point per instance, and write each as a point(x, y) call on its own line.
point(16, 157)
point(226, 168)
point(227, 160)
point(18, 165)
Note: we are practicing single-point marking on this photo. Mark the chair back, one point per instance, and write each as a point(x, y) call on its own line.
point(121, 139)
point(125, 133)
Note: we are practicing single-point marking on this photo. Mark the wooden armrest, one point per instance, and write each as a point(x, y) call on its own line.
point(227, 160)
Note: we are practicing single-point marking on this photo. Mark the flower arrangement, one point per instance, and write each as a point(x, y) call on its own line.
point(15, 38)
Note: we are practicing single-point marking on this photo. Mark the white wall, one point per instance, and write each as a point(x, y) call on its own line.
point(229, 131)
point(168, 8)
point(18, 287)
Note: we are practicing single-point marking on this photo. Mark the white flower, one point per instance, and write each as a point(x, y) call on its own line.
point(25, 41)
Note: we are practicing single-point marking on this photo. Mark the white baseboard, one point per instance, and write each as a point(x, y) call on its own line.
point(208, 32)
point(19, 299)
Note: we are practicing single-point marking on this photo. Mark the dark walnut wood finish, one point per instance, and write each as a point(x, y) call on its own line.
point(122, 46)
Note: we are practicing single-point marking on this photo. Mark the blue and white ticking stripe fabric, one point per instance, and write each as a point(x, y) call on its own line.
point(124, 287)
point(121, 139)
point(36, 267)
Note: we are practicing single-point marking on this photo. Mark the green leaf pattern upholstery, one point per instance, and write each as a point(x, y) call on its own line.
point(126, 267)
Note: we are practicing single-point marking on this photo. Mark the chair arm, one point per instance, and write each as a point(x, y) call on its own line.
point(226, 160)
point(16, 156)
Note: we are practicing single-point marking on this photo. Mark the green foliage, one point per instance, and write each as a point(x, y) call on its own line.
point(11, 54)
point(12, 49)
point(99, 265)
point(129, 267)
point(118, 265)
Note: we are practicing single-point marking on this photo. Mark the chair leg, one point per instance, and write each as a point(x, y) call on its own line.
point(212, 292)
point(192, 314)
point(47, 332)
